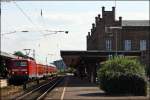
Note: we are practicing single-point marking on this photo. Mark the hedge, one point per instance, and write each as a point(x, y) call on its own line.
point(121, 75)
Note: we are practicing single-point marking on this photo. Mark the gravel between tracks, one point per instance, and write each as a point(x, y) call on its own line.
point(12, 91)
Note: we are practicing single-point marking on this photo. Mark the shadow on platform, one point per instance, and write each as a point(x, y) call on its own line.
point(102, 94)
point(73, 81)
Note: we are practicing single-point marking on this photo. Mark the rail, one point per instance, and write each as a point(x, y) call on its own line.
point(41, 91)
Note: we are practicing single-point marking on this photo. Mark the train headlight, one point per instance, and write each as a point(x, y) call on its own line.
point(13, 72)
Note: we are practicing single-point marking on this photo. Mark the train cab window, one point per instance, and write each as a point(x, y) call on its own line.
point(21, 63)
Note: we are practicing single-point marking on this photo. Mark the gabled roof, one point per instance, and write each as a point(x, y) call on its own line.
point(136, 23)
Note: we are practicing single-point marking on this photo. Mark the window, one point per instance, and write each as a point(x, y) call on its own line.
point(108, 45)
point(142, 44)
point(110, 56)
point(20, 63)
point(127, 45)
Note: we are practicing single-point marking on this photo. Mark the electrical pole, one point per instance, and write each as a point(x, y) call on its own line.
point(115, 3)
point(116, 43)
point(34, 53)
point(27, 51)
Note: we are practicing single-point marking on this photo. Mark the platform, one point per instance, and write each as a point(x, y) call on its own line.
point(75, 88)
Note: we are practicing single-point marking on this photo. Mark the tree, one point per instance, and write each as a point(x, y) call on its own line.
point(3, 69)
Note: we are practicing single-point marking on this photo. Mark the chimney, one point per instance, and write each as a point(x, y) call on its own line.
point(99, 16)
point(113, 9)
point(103, 9)
point(93, 26)
point(96, 19)
point(88, 33)
point(120, 20)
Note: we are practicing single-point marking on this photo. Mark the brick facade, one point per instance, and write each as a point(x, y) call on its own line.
point(96, 39)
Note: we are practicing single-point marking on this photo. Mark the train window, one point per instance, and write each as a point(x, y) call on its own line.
point(21, 63)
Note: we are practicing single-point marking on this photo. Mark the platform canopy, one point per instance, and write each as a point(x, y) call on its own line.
point(73, 58)
point(5, 55)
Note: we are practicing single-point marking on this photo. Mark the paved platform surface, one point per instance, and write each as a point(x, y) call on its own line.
point(75, 88)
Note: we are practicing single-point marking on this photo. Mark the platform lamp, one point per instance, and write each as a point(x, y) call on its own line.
point(110, 29)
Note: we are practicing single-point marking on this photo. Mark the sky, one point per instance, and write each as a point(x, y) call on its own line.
point(73, 16)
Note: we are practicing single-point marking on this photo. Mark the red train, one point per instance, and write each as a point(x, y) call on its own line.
point(26, 69)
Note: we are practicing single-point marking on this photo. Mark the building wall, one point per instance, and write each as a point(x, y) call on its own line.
point(135, 35)
point(96, 39)
point(60, 65)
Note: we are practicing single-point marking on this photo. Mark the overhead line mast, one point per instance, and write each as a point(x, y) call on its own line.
point(115, 3)
point(41, 13)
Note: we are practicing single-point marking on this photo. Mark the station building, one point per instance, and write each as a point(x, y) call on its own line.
point(108, 37)
point(109, 34)
point(128, 35)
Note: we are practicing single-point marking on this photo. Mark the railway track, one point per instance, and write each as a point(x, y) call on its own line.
point(40, 92)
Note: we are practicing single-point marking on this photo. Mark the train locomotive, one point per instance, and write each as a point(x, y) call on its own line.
point(21, 70)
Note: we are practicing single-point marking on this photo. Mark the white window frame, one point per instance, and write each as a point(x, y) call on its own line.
point(127, 45)
point(143, 44)
point(108, 44)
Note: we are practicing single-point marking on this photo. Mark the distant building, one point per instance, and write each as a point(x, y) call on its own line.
point(60, 65)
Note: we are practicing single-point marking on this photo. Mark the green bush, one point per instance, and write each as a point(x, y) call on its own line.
point(3, 71)
point(147, 71)
point(121, 75)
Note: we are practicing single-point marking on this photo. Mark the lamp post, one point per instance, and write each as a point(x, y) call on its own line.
point(25, 31)
point(57, 31)
point(116, 35)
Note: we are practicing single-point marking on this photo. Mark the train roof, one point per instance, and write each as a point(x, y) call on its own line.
point(23, 59)
point(52, 65)
point(7, 55)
